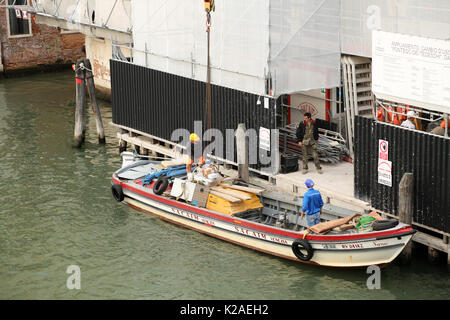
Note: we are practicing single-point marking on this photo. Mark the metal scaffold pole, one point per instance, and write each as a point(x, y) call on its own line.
point(209, 6)
point(208, 82)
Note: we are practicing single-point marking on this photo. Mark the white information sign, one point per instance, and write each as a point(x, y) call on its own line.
point(264, 138)
point(411, 70)
point(385, 172)
point(266, 103)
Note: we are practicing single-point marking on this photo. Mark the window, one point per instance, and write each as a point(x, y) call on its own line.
point(19, 20)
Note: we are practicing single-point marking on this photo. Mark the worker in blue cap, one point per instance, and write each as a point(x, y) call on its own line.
point(312, 204)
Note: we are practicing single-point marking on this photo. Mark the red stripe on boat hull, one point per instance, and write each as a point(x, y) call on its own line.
point(254, 226)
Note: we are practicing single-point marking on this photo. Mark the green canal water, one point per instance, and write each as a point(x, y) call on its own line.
point(56, 210)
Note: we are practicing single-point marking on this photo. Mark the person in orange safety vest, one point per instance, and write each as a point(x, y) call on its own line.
point(380, 115)
point(194, 140)
point(392, 116)
point(402, 113)
point(441, 129)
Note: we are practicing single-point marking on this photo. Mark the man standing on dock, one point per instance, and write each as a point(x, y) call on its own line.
point(312, 204)
point(307, 135)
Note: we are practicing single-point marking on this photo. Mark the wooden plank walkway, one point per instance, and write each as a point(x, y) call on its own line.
point(430, 241)
point(147, 143)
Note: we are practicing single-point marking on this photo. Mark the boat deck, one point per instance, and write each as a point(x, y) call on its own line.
point(279, 209)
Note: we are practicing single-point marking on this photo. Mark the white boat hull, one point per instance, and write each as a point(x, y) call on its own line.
point(377, 249)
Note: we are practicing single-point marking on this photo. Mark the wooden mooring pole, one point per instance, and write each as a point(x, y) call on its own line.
point(405, 210)
point(122, 143)
point(242, 152)
point(433, 255)
point(448, 252)
point(95, 109)
point(80, 111)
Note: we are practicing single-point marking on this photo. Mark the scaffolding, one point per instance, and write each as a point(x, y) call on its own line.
point(304, 45)
point(434, 117)
point(81, 12)
point(4, 4)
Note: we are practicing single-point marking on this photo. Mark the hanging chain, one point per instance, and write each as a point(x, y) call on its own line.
point(208, 21)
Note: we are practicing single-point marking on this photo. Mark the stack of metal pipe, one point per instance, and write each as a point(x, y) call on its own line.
point(330, 149)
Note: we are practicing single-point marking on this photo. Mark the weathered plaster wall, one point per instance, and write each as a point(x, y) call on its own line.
point(98, 51)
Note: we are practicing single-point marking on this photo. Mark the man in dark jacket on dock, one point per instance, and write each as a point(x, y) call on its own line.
point(307, 136)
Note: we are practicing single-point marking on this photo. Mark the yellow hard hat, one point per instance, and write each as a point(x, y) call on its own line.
point(194, 138)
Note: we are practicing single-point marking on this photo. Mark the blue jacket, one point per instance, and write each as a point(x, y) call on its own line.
point(312, 201)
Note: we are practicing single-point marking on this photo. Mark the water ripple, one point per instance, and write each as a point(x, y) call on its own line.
point(57, 210)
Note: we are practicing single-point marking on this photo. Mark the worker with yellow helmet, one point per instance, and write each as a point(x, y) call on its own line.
point(194, 140)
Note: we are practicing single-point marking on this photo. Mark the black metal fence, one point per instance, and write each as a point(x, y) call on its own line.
point(327, 125)
point(157, 103)
point(426, 156)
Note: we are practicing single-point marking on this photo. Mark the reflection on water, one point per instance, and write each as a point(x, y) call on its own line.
point(57, 210)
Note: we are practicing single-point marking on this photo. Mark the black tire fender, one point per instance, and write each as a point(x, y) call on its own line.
point(298, 248)
point(160, 185)
point(117, 192)
point(384, 224)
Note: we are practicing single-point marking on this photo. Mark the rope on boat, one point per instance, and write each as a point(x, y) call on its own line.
point(306, 233)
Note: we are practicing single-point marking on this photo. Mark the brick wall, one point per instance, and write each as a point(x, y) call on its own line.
point(46, 47)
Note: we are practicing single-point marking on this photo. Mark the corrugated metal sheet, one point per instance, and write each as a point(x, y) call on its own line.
point(426, 156)
point(327, 125)
point(157, 103)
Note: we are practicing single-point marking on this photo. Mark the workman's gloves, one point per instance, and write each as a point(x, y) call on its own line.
point(190, 177)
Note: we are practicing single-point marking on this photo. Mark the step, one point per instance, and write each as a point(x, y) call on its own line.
point(364, 108)
point(362, 80)
point(360, 89)
point(364, 98)
point(362, 70)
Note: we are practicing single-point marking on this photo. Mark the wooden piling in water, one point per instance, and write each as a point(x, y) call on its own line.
point(143, 151)
point(433, 255)
point(152, 152)
point(122, 143)
point(448, 252)
point(445, 241)
point(95, 109)
point(405, 210)
point(133, 146)
point(80, 110)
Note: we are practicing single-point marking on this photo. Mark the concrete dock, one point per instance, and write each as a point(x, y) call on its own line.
point(336, 184)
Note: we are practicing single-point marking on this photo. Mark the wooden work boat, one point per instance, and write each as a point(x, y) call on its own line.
point(273, 228)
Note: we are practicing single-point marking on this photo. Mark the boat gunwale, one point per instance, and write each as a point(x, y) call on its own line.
point(272, 242)
point(260, 239)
